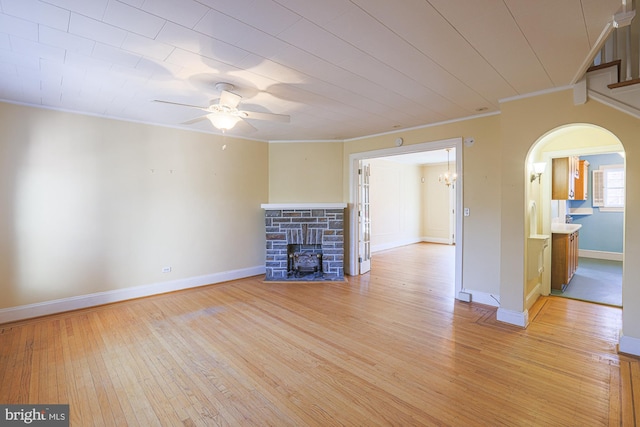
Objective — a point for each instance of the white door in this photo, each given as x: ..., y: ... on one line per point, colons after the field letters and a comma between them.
x: 364, y: 218
x: 452, y: 213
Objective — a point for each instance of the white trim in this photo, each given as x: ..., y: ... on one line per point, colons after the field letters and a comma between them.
x: 534, y: 94
x: 230, y: 135
x: 617, y: 105
x: 605, y: 209
x: 409, y: 241
x: 395, y: 244
x: 595, y: 47
x: 611, y: 256
x: 13, y: 314
x: 305, y: 141
x: 580, y: 211
x: 533, y: 296
x: 127, y: 120
x: 629, y: 345
x: 517, y: 318
x: 413, y: 148
x: 269, y: 206
x: 580, y: 92
x: 582, y: 151
x: 439, y: 240
x: 445, y: 122
x: 351, y: 265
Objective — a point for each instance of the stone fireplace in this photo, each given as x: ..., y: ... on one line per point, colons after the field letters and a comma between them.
x: 305, y: 242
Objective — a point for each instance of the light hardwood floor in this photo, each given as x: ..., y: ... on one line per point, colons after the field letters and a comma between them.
x: 388, y: 348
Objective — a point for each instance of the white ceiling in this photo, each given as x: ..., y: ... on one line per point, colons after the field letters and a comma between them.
x: 340, y: 68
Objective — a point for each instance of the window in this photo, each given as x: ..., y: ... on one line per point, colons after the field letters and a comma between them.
x: 608, y: 188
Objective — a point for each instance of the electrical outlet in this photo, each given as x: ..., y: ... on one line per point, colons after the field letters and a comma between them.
x: 464, y: 296
x: 467, y: 212
x: 166, y: 269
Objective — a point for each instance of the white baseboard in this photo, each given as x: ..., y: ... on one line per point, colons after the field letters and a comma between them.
x: 395, y: 244
x: 409, y: 241
x: 440, y: 240
x: 518, y: 318
x: 611, y: 256
x: 629, y: 345
x: 533, y: 296
x: 28, y: 311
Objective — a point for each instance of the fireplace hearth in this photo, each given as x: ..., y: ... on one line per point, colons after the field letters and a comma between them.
x: 304, y: 242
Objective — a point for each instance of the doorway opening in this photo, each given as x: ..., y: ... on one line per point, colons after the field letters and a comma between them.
x: 359, y: 249
x: 593, y: 253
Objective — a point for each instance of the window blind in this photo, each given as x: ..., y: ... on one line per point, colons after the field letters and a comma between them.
x: 597, y: 188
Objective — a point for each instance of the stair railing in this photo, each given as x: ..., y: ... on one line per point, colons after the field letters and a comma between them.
x: 623, y: 44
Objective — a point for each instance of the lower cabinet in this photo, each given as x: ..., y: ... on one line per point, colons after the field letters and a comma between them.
x: 564, y: 259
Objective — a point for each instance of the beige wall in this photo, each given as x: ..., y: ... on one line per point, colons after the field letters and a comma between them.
x: 436, y: 220
x: 307, y: 172
x: 92, y: 205
x: 396, y: 204
x: 408, y: 204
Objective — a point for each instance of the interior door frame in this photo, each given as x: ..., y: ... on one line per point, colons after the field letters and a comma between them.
x: 354, y: 161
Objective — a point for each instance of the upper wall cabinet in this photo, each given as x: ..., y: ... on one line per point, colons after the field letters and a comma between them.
x: 581, y: 182
x: 565, y: 171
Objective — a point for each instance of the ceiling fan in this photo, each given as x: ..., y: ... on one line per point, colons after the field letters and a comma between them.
x: 224, y: 114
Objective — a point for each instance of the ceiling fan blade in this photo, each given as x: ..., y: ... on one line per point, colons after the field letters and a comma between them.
x: 196, y: 120
x: 246, y: 126
x: 265, y: 116
x: 229, y: 99
x: 181, y: 105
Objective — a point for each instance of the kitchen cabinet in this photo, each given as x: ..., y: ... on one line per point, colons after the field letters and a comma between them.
x: 581, y: 182
x: 564, y: 259
x: 564, y: 172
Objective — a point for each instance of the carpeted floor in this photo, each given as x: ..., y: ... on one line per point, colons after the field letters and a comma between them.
x: 596, y: 280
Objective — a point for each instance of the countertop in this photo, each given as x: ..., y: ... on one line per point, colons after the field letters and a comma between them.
x: 560, y: 228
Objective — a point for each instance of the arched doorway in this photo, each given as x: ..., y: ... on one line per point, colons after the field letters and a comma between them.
x: 546, y: 211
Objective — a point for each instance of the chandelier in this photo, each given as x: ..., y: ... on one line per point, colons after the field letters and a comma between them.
x: 448, y: 178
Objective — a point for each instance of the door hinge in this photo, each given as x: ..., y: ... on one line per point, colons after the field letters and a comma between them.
x: 360, y: 259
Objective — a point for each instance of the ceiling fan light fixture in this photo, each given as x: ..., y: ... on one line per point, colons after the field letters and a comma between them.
x: 223, y: 121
